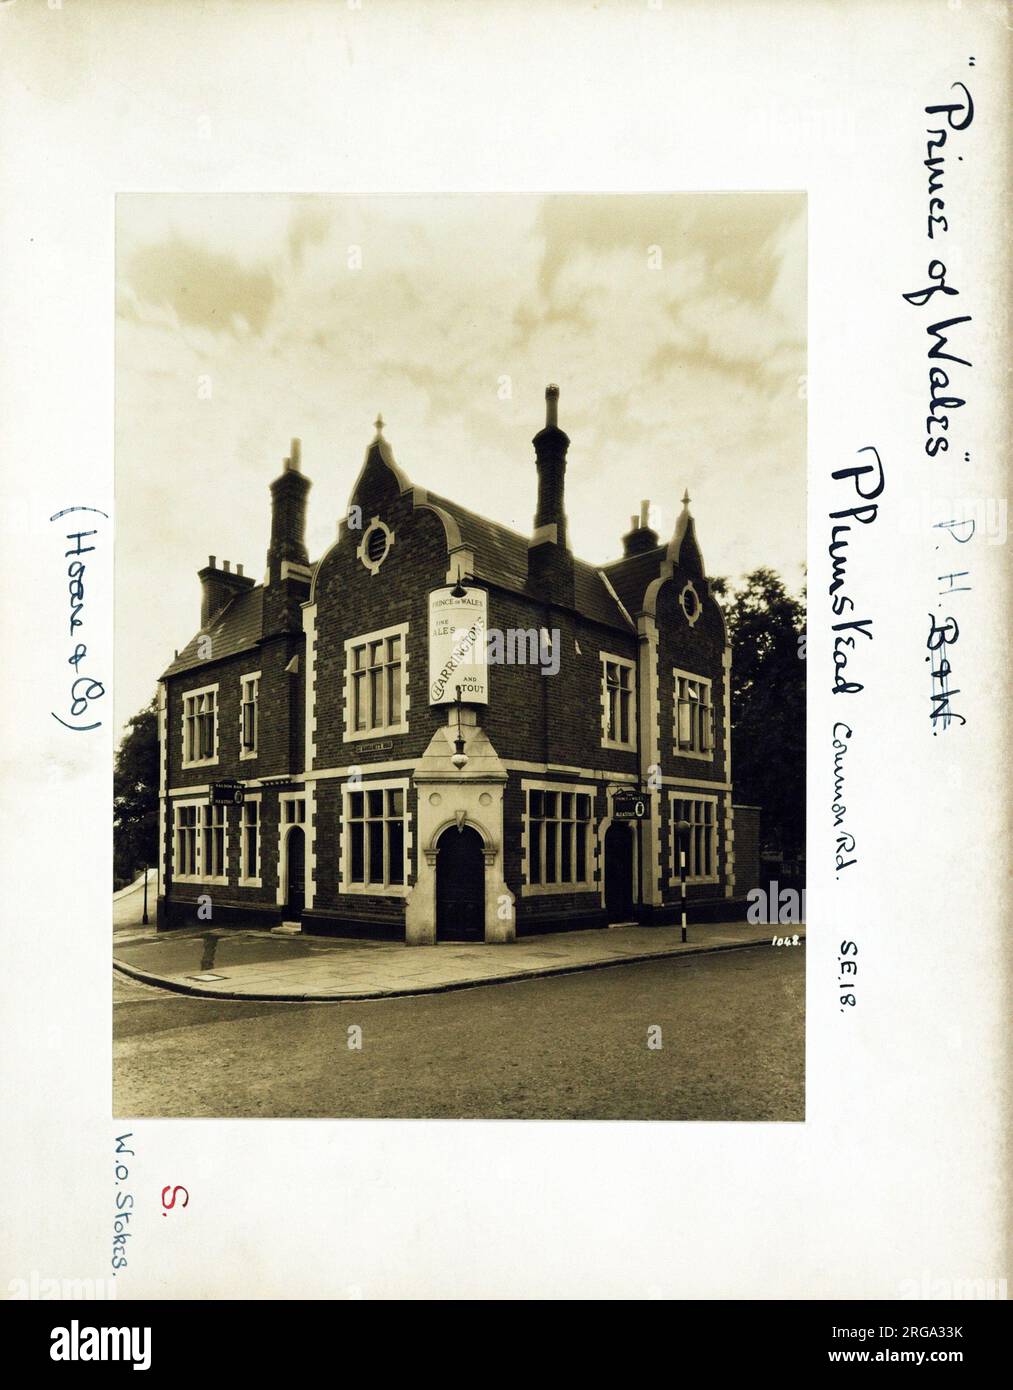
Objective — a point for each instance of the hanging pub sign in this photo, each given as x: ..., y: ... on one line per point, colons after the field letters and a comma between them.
x: 631, y: 806
x: 458, y: 619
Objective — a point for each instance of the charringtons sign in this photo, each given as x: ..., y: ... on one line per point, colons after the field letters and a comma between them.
x: 457, y: 640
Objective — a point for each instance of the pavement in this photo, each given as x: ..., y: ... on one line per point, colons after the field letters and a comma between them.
x: 235, y: 963
x: 128, y: 903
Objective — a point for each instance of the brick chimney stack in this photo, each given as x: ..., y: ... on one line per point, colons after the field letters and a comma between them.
x: 551, y: 445
x: 288, y: 516
x: 218, y: 586
x: 550, y: 564
x: 640, y: 537
x: 288, y: 572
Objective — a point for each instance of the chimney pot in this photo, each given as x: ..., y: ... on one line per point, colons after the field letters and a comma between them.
x: 212, y: 561
x: 239, y: 570
x: 551, y: 406
x: 645, y: 508
x: 296, y: 454
x: 227, y: 566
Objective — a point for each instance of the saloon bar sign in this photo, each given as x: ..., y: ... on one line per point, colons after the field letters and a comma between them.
x: 631, y: 806
x: 458, y: 619
x: 226, y: 793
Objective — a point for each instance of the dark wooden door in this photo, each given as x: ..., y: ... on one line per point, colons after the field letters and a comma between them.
x: 295, y: 898
x: 619, y: 873
x: 460, y: 886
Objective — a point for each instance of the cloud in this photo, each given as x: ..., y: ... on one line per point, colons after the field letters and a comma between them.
x: 201, y: 288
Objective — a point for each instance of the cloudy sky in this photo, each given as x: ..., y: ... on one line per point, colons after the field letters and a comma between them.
x: 674, y: 325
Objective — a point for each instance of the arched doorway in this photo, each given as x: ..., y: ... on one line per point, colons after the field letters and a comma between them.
x: 295, y: 872
x: 619, y: 872
x: 460, y: 885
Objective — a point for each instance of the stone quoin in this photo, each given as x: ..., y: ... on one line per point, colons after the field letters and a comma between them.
x: 377, y: 804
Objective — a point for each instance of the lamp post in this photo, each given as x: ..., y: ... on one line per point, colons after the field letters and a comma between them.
x: 683, y: 828
x: 144, y: 919
x: 460, y: 758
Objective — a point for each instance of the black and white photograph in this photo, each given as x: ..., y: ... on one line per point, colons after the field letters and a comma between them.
x: 507, y: 582
x: 432, y: 708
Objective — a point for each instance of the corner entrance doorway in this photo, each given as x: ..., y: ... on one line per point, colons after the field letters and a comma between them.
x: 460, y: 886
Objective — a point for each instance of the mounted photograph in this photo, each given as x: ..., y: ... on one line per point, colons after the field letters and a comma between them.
x: 452, y: 779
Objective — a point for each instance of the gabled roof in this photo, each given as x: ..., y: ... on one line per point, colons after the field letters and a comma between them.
x: 631, y: 575
x: 238, y: 627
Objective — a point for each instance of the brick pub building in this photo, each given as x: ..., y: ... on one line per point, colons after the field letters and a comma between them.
x: 369, y: 809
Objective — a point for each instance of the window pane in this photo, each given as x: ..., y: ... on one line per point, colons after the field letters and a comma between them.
x: 393, y: 648
x: 535, y: 830
x: 375, y: 850
x: 567, y: 811
x: 358, y: 700
x: 395, y: 803
x: 376, y: 653
x: 393, y: 694
x: 581, y: 834
x: 395, y: 857
x: 566, y: 862
x: 551, y: 858
x: 358, y: 657
x: 356, y: 831
x: 551, y: 799
x: 583, y: 806
x: 355, y: 805
x: 536, y: 804
x: 624, y: 716
x: 375, y: 804
x: 376, y: 697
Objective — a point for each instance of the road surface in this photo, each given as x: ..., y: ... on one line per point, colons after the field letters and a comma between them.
x: 732, y: 1035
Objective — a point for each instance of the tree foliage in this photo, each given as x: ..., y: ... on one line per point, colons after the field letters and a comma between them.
x: 766, y: 628
x: 135, y: 796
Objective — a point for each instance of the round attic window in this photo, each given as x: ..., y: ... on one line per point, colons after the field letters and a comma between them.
x: 376, y: 542
x: 689, y: 601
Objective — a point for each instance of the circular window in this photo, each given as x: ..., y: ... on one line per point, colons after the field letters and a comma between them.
x: 376, y: 541
x: 689, y: 600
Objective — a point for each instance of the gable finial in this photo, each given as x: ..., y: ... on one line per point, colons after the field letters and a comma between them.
x: 378, y: 422
x: 685, y: 498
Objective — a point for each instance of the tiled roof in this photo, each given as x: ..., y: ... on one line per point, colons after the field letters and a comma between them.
x: 501, y: 557
x: 631, y: 575
x: 237, y: 628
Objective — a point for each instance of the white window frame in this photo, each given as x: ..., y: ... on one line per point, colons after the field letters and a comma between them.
x: 206, y: 822
x: 196, y: 695
x: 606, y: 740
x: 246, y: 879
x: 177, y: 806
x: 706, y: 754
x: 585, y: 885
x: 295, y: 800
x: 254, y: 677
x: 351, y: 734
x: 373, y: 890
x: 692, y: 794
